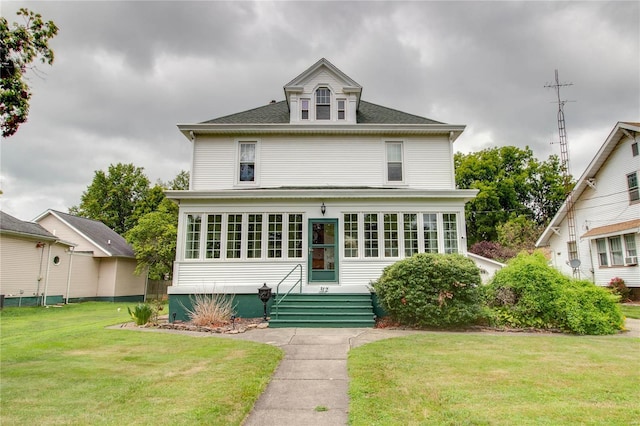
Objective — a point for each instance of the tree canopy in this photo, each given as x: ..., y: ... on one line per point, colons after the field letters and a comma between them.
x: 513, y: 185
x: 20, y: 45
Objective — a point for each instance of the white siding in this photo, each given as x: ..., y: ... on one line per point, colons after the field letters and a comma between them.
x: 316, y: 161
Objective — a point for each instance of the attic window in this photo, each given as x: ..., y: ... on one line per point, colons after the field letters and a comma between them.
x: 304, y: 109
x: 323, y: 104
x: 634, y: 149
x: 341, y: 109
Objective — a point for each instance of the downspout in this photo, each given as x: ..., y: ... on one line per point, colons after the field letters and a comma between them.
x: 46, y: 280
x: 69, y: 273
x: 592, y: 270
x: 41, y: 246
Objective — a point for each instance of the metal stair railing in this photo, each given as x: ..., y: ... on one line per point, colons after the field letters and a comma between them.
x: 280, y: 299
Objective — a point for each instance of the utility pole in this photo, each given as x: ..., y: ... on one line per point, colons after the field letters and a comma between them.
x: 572, y: 243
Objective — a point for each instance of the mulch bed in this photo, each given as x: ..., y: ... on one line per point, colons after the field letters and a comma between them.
x: 239, y: 325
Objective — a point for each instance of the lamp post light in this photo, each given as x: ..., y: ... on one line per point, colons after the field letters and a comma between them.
x: 264, y: 293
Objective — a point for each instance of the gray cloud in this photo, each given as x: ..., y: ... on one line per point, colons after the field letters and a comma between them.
x: 127, y: 72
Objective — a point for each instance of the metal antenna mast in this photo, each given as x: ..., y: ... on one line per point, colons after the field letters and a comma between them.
x: 574, y: 255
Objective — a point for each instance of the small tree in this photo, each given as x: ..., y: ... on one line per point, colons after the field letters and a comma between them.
x: 431, y: 290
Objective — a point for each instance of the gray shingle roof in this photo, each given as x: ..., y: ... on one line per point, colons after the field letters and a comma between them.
x: 105, y: 237
x: 11, y: 224
x: 278, y: 113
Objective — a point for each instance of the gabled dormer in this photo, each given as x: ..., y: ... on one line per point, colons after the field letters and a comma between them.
x: 323, y: 95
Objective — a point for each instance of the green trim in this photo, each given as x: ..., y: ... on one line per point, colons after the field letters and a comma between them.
x: 246, y: 306
x: 378, y: 309
x: 116, y: 299
x: 13, y: 302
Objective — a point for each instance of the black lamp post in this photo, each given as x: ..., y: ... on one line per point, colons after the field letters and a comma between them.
x: 264, y: 293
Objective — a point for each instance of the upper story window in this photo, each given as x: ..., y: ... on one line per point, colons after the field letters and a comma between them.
x: 323, y: 104
x: 634, y: 149
x: 341, y: 109
x: 632, y: 184
x: 304, y: 109
x: 247, y: 166
x: 394, y: 161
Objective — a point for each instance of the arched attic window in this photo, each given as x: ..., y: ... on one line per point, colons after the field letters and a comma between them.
x: 323, y: 103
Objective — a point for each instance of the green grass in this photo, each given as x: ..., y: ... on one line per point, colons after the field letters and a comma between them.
x: 630, y: 311
x: 470, y: 379
x: 61, y: 366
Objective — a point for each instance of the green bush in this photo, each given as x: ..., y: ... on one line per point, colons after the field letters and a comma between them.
x: 141, y: 314
x: 529, y: 293
x: 431, y: 290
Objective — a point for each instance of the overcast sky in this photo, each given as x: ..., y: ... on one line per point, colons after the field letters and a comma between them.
x: 125, y: 73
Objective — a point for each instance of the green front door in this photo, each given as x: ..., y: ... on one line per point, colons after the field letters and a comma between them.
x: 323, y: 254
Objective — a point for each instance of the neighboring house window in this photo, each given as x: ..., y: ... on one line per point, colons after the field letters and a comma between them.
x: 247, y: 161
x: 350, y: 235
x: 371, y: 235
x: 295, y: 235
x: 323, y: 104
x: 234, y: 236
x: 430, y: 231
x: 615, y: 250
x: 394, y: 161
x: 390, y: 235
x: 193, y: 236
x: 634, y: 149
x: 601, y: 247
x: 450, y: 227
x: 631, y: 253
x: 274, y: 249
x: 304, y: 109
x: 214, y: 236
x: 410, y: 222
x: 632, y: 184
x: 341, y: 109
x: 254, y: 236
x: 572, y: 248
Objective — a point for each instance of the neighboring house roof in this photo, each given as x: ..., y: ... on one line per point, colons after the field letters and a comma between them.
x: 615, y: 228
x: 278, y: 113
x: 12, y: 225
x: 96, y: 233
x: 620, y: 130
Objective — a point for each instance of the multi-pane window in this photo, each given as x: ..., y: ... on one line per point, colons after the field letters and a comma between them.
x: 295, y: 235
x: 371, y: 235
x: 430, y: 232
x: 254, y: 236
x: 304, y: 109
x: 194, y: 222
x: 390, y: 235
x: 572, y: 249
x: 323, y: 104
x: 410, y: 224
x: 615, y: 251
x: 214, y: 236
x: 450, y: 230
x: 631, y: 253
x: 341, y: 109
x: 350, y: 235
x: 247, y: 161
x: 394, y: 161
x: 274, y: 249
x: 632, y: 184
x: 601, y: 247
x: 234, y: 236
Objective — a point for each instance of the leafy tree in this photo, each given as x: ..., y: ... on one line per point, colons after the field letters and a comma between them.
x: 519, y: 233
x: 180, y: 182
x: 20, y: 45
x: 154, y: 240
x: 113, y: 197
x: 511, y: 181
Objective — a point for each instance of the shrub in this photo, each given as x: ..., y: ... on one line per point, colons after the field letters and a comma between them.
x: 141, y: 314
x: 208, y: 309
x: 431, y: 290
x: 618, y: 287
x: 493, y: 250
x: 529, y: 293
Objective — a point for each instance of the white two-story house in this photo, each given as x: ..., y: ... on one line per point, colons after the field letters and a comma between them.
x: 606, y: 207
x: 322, y: 185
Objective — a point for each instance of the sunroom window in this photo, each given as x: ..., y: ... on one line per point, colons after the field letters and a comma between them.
x: 323, y: 104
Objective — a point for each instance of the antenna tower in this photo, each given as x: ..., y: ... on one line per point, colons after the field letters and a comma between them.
x: 572, y: 243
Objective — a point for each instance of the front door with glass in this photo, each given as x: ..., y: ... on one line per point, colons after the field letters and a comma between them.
x: 323, y: 243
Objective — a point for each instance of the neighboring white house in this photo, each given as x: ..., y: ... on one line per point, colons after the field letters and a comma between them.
x: 324, y: 180
x: 606, y: 202
x: 61, y: 257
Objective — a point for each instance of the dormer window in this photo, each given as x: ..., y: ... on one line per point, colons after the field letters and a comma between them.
x: 304, y: 109
x: 341, y: 109
x: 323, y: 104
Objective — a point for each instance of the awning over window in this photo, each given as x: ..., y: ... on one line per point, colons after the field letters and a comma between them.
x: 616, y: 228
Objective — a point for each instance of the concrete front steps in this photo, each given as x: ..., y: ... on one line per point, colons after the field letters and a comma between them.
x: 323, y: 310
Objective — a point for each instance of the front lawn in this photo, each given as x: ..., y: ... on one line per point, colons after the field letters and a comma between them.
x: 470, y: 379
x: 630, y: 310
x: 61, y: 366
